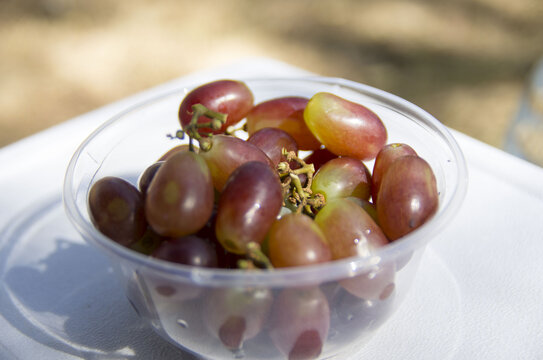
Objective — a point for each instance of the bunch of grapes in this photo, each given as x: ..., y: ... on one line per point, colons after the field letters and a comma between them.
x: 254, y: 202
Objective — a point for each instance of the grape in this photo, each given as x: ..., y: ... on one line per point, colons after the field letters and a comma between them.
x: 344, y: 127
x: 249, y: 204
x: 295, y: 240
x: 227, y: 153
x: 272, y: 141
x: 286, y: 113
x: 368, y: 206
x: 319, y: 157
x: 225, y: 259
x: 148, y: 175
x: 180, y: 197
x: 147, y: 243
x: 376, y: 284
x: 182, y: 147
x: 188, y: 250
x: 234, y: 315
x: 351, y: 231
x: 300, y: 321
x: 343, y: 177
x: 117, y: 210
x: 229, y: 97
x: 408, y: 196
x: 385, y: 157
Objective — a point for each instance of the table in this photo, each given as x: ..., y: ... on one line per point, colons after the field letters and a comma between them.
x: 482, y: 279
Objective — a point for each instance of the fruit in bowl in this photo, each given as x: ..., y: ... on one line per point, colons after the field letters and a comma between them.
x: 246, y: 231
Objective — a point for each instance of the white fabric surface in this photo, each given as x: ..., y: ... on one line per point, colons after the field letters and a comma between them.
x: 481, y: 281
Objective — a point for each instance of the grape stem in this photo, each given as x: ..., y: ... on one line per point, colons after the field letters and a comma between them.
x: 256, y: 259
x: 217, y: 120
x: 300, y: 198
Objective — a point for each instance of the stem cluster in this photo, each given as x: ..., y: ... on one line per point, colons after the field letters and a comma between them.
x: 216, y: 121
x: 296, y: 182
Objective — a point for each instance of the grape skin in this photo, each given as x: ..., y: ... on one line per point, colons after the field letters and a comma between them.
x: 408, y: 196
x: 188, y: 250
x: 300, y: 321
x: 344, y: 127
x: 349, y: 229
x: 386, y: 156
x: 272, y: 141
x: 285, y: 113
x: 319, y: 157
x: 148, y: 175
x: 227, y: 153
x: 295, y: 240
x: 343, y: 177
x: 229, y: 97
x: 248, y: 206
x: 234, y: 315
x: 117, y: 210
x: 177, y: 204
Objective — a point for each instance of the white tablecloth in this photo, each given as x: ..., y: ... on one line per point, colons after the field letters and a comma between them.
x: 482, y: 280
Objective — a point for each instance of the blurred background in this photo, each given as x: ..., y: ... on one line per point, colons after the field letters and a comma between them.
x: 467, y: 62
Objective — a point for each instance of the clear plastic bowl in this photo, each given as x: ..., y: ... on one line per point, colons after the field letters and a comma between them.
x: 209, y: 312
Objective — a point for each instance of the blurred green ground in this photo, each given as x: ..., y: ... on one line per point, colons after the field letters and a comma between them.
x: 464, y: 61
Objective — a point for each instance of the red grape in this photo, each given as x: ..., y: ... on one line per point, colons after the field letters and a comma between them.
x: 300, y: 321
x: 350, y: 230
x: 286, y: 113
x: 319, y: 157
x: 188, y: 250
x: 344, y: 127
x: 229, y: 97
x: 234, y: 315
x: 295, y: 240
x: 225, y: 259
x: 180, y: 197
x: 117, y: 210
x: 148, y: 242
x: 368, y: 206
x: 377, y: 284
x: 384, y: 159
x: 248, y: 206
x: 227, y: 153
x: 408, y: 196
x: 182, y: 147
x: 272, y: 141
x: 148, y: 175
x: 343, y: 177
